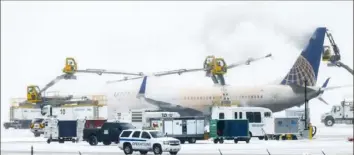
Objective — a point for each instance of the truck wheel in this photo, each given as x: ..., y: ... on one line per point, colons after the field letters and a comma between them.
x: 107, y: 142
x: 37, y: 134
x: 192, y: 140
x: 143, y: 152
x: 157, y: 149
x: 183, y: 141
x: 216, y: 141
x: 93, y: 140
x: 235, y: 141
x: 221, y: 141
x: 329, y: 121
x: 48, y: 141
x: 265, y: 138
x: 261, y: 138
x: 173, y: 153
x: 6, y: 127
x: 248, y: 140
x: 127, y: 149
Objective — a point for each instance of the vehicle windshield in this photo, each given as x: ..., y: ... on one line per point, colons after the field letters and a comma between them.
x: 333, y: 109
x: 126, y: 126
x: 37, y: 120
x: 156, y: 134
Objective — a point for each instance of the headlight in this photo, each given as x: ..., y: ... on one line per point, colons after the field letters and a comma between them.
x: 166, y: 143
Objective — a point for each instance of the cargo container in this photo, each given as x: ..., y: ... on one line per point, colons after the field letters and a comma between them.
x: 63, y: 130
x: 229, y: 129
x: 185, y: 129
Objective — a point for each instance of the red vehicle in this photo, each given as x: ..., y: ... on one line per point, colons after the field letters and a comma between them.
x: 94, y: 123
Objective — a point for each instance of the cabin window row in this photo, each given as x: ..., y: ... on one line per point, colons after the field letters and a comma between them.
x: 209, y: 98
x: 253, y: 117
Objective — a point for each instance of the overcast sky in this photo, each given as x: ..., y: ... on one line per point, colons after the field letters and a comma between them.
x: 36, y: 37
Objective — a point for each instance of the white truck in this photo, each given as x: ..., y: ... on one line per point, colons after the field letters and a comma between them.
x: 73, y: 111
x: 141, y: 118
x: 340, y: 114
x: 261, y: 120
x: 69, y: 112
x: 184, y: 129
x: 147, y: 140
x: 22, y: 116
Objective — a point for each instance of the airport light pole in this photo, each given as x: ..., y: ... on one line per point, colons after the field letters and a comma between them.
x: 306, y: 104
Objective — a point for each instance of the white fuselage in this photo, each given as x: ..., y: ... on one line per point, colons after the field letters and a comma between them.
x: 274, y: 97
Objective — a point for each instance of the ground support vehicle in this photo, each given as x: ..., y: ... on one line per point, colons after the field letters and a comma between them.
x: 107, y: 134
x: 147, y: 140
x: 261, y: 120
x: 184, y: 129
x: 229, y: 129
x: 63, y: 130
x: 340, y: 114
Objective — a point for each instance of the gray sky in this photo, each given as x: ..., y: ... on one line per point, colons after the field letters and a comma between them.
x: 156, y: 36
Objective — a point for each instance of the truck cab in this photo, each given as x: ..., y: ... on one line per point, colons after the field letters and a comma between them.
x: 340, y: 114
x: 37, y: 126
x: 12, y: 124
x: 108, y: 133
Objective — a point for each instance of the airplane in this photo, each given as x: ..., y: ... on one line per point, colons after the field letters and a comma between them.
x: 288, y: 93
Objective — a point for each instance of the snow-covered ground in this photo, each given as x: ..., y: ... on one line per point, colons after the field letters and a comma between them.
x: 330, y: 140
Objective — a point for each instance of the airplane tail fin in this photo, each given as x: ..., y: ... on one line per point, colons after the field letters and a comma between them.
x: 308, y: 63
x: 141, y: 93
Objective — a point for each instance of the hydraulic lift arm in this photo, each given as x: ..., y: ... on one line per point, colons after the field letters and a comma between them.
x: 340, y: 64
x: 334, y: 59
x: 214, y: 68
x: 34, y: 94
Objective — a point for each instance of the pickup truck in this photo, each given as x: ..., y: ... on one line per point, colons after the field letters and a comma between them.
x: 108, y: 133
x: 18, y: 124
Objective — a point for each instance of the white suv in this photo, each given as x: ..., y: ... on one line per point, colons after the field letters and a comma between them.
x: 147, y: 140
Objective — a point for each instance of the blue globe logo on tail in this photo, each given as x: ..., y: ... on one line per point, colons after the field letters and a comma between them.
x: 300, y: 71
x: 307, y: 65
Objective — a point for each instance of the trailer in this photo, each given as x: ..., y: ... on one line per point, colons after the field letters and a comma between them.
x: 141, y: 118
x: 74, y: 111
x: 21, y: 116
x: 185, y: 129
x: 63, y: 130
x: 286, y: 128
x: 94, y: 113
x: 229, y: 129
x: 261, y: 120
x: 295, y: 112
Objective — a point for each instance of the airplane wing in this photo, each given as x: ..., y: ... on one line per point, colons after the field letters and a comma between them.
x: 180, y: 71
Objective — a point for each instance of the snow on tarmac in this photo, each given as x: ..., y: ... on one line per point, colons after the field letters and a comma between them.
x: 330, y: 140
